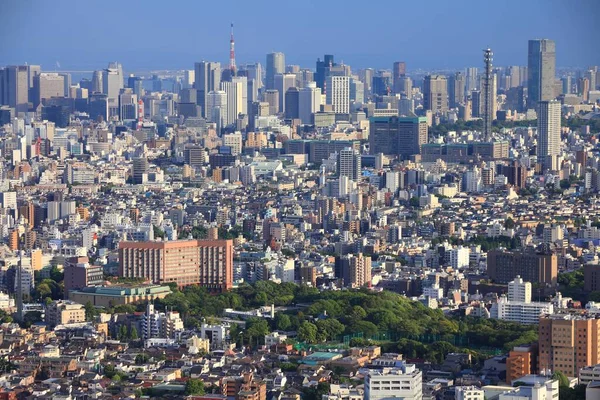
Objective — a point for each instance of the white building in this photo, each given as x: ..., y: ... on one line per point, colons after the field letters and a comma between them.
x: 519, y: 291
x: 160, y: 325
x: 216, y: 107
x: 459, y: 257
x: 285, y: 270
x: 548, y: 129
x: 338, y: 94
x: 589, y: 374
x: 214, y: 333
x: 468, y: 393
x: 404, y: 382
x: 309, y: 102
x: 274, y: 338
x: 535, y: 387
x: 282, y: 83
x: 517, y: 311
x: 234, y: 92
x: 235, y: 141
x: 434, y: 292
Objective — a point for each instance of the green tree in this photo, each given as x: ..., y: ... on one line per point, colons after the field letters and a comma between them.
x: 282, y: 321
x: 90, y: 311
x: 509, y: 223
x: 563, y: 381
x: 134, y: 333
x: 194, y: 387
x: 308, y: 332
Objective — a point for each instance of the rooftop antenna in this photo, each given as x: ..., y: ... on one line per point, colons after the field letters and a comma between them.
x: 232, y: 53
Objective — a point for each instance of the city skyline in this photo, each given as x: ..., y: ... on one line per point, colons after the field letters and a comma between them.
x: 456, y: 41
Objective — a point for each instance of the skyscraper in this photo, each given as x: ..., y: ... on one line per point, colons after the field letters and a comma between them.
x: 216, y: 108
x: 47, y: 85
x: 282, y: 83
x: 541, y: 76
x: 488, y: 94
x: 14, y: 87
x: 292, y: 103
x: 338, y: 93
x: 456, y: 89
x: 471, y: 82
x: 271, y: 96
x: 254, y: 71
x: 435, y: 93
x: 322, y: 68
x: 208, y: 79
x: 398, y: 71
x: 275, y: 65
x: 236, y: 103
x: 548, y: 128
x: 349, y: 163
x: 111, y: 85
x: 309, y: 102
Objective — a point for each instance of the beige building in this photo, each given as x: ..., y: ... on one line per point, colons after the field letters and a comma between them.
x: 435, y: 93
x: 568, y: 342
x: 62, y: 312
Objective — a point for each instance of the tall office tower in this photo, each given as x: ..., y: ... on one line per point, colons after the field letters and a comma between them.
x: 514, y: 77
x: 232, y: 67
x: 136, y: 84
x: 98, y: 106
x: 254, y: 71
x: 488, y: 94
x: 309, y: 102
x: 456, y: 89
x: 566, y: 84
x: 128, y: 105
x: 382, y: 83
x: 208, y: 79
x: 282, y: 83
x: 406, y: 107
x: 119, y: 68
x: 322, y: 69
x: 275, y: 65
x: 216, y: 108
x: 292, y: 103
x: 14, y: 88
x: 189, y: 77
x: 398, y: 72
x: 357, y: 91
x: 567, y: 342
x: 110, y: 84
x: 476, y: 103
x: 548, y: 128
x: 401, y: 136
x: 97, y: 82
x: 471, y: 82
x: 236, y: 91
x: 592, y: 76
x: 208, y: 263
x: 139, y: 167
x: 47, y: 85
x: 583, y: 88
x: 435, y: 93
x: 541, y: 68
x: 367, y: 78
x: 66, y: 82
x: 338, y: 93
x: 349, y: 163
x: 403, y: 85
x: 271, y: 96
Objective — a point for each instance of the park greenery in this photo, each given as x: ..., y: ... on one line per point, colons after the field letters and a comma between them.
x: 361, y: 316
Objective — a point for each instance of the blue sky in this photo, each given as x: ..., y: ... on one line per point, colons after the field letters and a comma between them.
x: 151, y: 34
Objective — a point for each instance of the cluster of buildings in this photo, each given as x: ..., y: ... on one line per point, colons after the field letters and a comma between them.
x: 130, y: 186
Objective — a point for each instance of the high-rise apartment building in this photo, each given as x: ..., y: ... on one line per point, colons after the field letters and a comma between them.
x: 349, y: 163
x: 519, y: 290
x: 275, y: 65
x: 401, y: 136
x: 435, y: 93
x: 541, y: 69
x: 548, y: 142
x: 471, y: 80
x: 208, y: 263
x: 568, y: 342
x: 208, y: 79
x: 338, y: 93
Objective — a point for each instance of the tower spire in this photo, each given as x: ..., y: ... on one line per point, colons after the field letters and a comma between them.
x: 232, y: 53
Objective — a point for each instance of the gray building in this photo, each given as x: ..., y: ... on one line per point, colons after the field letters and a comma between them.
x: 548, y: 142
x: 456, y: 89
x: 541, y: 71
x: 401, y: 136
x: 275, y: 65
x: 208, y: 79
x: 435, y: 93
